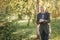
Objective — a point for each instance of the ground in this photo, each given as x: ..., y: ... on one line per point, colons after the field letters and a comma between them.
x: 25, y: 32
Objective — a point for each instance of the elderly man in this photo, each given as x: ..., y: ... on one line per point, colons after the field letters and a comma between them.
x: 43, y: 24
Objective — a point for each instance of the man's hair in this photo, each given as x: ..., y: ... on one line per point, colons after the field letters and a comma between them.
x: 43, y: 7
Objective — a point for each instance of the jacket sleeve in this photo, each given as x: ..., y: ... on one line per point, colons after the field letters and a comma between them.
x: 48, y: 18
x: 37, y: 19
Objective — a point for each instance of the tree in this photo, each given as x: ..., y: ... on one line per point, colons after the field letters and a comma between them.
x: 37, y: 11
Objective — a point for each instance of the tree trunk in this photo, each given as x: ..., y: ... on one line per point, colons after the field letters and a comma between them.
x: 37, y: 11
x: 28, y: 22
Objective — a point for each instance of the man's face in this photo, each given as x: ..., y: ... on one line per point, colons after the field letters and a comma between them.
x: 42, y: 9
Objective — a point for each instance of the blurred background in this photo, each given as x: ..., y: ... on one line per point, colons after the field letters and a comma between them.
x: 18, y: 18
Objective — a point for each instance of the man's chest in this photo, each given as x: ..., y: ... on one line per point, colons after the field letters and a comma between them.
x: 42, y: 16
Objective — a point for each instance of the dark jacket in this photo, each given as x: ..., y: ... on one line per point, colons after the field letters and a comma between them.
x: 44, y: 26
x: 46, y: 17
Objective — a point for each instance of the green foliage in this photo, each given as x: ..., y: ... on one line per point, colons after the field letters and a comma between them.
x: 25, y: 0
x: 6, y: 30
x: 22, y: 8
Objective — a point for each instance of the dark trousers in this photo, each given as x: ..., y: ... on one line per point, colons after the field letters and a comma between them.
x: 44, y: 31
x: 44, y: 36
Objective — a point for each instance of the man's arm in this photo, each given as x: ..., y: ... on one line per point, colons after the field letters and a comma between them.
x: 37, y: 19
x: 48, y: 21
x: 48, y: 18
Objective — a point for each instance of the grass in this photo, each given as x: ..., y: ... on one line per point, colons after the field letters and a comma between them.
x: 25, y: 32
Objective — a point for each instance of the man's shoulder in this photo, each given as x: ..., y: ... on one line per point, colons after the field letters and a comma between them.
x: 38, y: 13
x: 47, y: 13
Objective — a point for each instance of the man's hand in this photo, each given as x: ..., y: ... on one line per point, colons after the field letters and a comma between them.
x: 41, y: 20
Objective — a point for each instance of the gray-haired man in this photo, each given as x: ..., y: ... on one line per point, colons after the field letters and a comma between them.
x: 43, y: 23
